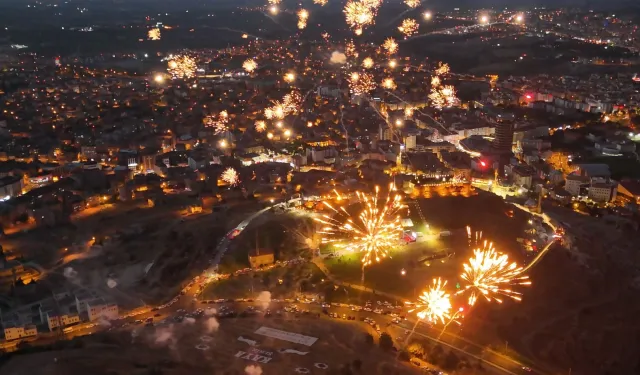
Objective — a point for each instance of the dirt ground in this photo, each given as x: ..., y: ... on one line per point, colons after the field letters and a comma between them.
x: 191, y: 348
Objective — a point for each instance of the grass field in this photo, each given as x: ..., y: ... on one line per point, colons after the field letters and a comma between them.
x: 486, y: 213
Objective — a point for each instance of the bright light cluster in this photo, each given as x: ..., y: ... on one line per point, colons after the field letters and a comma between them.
x: 230, y: 176
x: 361, y: 13
x: 390, y: 46
x: 389, y: 83
x: 250, y: 65
x: 320, y: 2
x: 408, y: 27
x: 489, y: 274
x: 218, y: 123
x: 181, y: 66
x: 303, y: 16
x: 367, y: 63
x: 372, y: 231
x: 412, y: 3
x: 442, y: 96
x: 361, y: 83
x: 154, y: 34
x: 434, y: 304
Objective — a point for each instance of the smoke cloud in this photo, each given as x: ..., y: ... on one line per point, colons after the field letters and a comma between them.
x: 111, y: 283
x: 264, y: 298
x: 253, y: 370
x: 164, y: 335
x: 70, y: 273
x: 338, y: 58
x: 211, y: 325
x: 188, y: 321
x: 210, y: 311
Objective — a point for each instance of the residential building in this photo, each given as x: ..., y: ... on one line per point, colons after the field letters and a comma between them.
x: 603, y: 191
x: 14, y: 332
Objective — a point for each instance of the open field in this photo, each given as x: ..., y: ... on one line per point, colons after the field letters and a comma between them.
x: 437, y: 256
x: 200, y: 347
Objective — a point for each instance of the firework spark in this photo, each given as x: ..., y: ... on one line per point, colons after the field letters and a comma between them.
x: 412, y: 3
x: 182, y: 66
x: 389, y: 84
x: 290, y: 77
x: 367, y: 63
x: 290, y: 104
x: 303, y: 16
x: 261, y: 126
x: 390, y: 46
x: 408, y: 112
x: 489, y: 274
x: 434, y: 305
x: 408, y: 27
x: 320, y: 2
x: 218, y: 123
x: 361, y: 83
x: 371, y: 232
x: 153, y: 34
x: 250, y: 65
x: 359, y: 14
x: 442, y: 69
x: 230, y: 176
x: 435, y: 81
x: 350, y: 49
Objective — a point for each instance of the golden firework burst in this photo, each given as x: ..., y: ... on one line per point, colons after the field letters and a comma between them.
x: 154, y: 34
x: 434, y: 304
x: 390, y: 46
x: 250, y: 65
x: 372, y: 231
x: 491, y: 275
x: 182, y: 66
x: 408, y: 27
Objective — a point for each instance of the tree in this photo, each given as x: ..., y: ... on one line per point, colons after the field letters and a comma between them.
x: 450, y: 361
x: 385, y: 341
x: 357, y: 364
x: 416, y: 349
x: 368, y: 339
x: 404, y: 356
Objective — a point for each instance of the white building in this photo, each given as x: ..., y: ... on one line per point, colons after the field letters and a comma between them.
x: 603, y: 191
x: 12, y: 332
x: 99, y: 308
x: 63, y: 320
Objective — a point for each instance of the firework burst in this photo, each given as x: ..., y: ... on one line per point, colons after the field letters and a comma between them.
x: 408, y: 112
x: 260, y: 126
x: 412, y: 3
x: 182, y: 66
x: 408, y: 27
x: 434, y: 305
x: 489, y: 274
x: 367, y: 63
x: 361, y: 83
x: 218, y: 123
x: 390, y: 46
x: 303, y: 16
x: 360, y: 14
x: 389, y: 84
x: 350, y: 49
x: 250, y: 65
x: 371, y: 232
x: 442, y: 69
x: 153, y: 34
x: 230, y: 176
x: 320, y: 2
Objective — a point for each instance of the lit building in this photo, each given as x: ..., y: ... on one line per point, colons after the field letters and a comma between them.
x: 13, y: 332
x: 603, y: 191
x: 261, y: 257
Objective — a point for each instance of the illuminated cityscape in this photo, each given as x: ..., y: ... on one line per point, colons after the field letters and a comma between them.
x: 355, y: 186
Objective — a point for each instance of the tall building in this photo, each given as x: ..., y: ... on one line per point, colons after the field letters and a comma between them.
x: 504, y: 138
